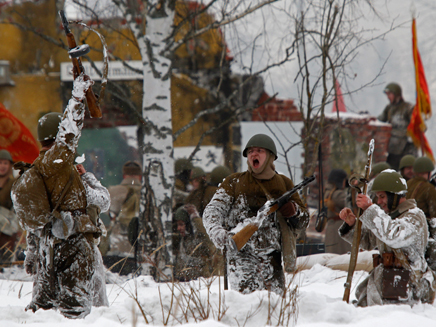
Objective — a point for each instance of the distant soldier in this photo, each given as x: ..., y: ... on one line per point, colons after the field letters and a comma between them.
x: 182, y: 170
x: 124, y: 207
x: 334, y: 200
x: 193, y: 248
x: 398, y: 114
x: 202, y: 192
x: 398, y: 229
x: 406, y: 166
x: 52, y: 203
x: 218, y: 174
x: 424, y: 194
x: 9, y: 229
x: 420, y: 189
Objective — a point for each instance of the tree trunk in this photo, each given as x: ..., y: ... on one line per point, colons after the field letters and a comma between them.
x: 157, y: 150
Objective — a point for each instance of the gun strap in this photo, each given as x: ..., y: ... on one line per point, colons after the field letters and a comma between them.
x: 289, y: 251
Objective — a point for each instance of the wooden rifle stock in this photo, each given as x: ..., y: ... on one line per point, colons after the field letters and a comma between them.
x: 242, y: 237
x: 357, y: 229
x: 91, y: 99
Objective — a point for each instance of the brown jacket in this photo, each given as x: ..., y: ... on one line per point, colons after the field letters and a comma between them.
x: 5, y: 194
x: 201, y: 196
x: 424, y: 193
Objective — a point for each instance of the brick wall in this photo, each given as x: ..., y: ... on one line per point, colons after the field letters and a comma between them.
x: 276, y: 110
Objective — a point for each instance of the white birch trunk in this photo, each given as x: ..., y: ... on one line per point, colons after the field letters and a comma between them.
x: 158, y: 158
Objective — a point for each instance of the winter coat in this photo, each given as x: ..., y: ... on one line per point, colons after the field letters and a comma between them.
x: 424, y: 193
x: 406, y: 232
x: 335, y: 202
x: 398, y: 115
x: 66, y: 257
x: 122, y: 211
x: 257, y: 265
x: 201, y: 196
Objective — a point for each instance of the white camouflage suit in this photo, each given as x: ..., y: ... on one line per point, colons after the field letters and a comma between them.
x: 408, y: 233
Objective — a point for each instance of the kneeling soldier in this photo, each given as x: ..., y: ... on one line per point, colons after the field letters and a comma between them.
x: 399, y: 230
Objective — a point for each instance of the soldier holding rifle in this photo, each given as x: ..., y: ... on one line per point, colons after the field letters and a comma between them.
x: 258, y: 263
x: 398, y: 229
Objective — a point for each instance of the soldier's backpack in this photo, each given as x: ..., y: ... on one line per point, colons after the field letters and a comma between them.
x: 30, y: 199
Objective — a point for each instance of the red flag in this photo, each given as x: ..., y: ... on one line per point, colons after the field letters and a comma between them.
x: 338, y: 103
x: 416, y: 128
x: 16, y: 138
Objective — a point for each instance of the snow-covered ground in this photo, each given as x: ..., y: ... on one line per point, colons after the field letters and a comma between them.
x: 319, y: 303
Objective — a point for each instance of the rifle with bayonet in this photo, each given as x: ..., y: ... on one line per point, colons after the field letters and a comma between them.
x: 358, y: 227
x: 75, y: 53
x: 241, y: 238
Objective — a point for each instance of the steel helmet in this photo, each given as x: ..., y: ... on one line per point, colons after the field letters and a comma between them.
x: 5, y: 155
x: 197, y: 172
x: 218, y: 174
x: 407, y: 161
x: 182, y: 164
x: 389, y: 181
x: 394, y: 88
x: 379, y: 167
x: 423, y: 165
x: 261, y: 141
x: 48, y: 126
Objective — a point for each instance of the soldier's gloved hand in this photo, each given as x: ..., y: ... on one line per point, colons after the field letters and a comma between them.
x: 191, y: 210
x: 288, y: 210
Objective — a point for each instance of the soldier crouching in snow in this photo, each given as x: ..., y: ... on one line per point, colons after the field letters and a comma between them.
x: 398, y: 229
x: 258, y: 265
x: 52, y: 203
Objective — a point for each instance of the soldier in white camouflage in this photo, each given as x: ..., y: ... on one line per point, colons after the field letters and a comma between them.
x: 398, y: 229
x: 258, y: 265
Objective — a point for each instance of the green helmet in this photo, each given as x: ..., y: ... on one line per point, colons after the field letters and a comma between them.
x: 261, y: 141
x: 181, y: 214
x: 197, y: 172
x: 389, y: 181
x: 5, y: 155
x: 423, y: 165
x: 48, y: 126
x: 407, y: 161
x: 218, y: 174
x: 379, y: 167
x: 182, y: 164
x: 394, y: 88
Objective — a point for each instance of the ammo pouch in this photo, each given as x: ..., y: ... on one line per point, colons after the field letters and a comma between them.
x: 395, y: 279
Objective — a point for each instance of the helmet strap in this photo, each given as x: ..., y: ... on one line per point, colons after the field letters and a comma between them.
x: 393, y: 200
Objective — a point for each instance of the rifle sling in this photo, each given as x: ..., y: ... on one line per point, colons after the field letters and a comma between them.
x: 288, y: 249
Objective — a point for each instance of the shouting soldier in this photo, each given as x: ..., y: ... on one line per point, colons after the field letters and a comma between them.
x: 258, y: 265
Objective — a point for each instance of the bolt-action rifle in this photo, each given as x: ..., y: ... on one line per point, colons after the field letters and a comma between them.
x: 75, y: 53
x: 242, y: 237
x: 358, y: 227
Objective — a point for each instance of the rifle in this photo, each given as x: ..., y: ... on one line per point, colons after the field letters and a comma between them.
x: 241, y: 238
x: 358, y: 228
x: 75, y: 53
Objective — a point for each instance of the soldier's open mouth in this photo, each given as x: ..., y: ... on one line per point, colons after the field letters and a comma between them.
x: 255, y: 163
